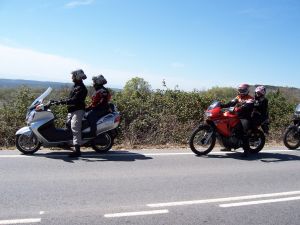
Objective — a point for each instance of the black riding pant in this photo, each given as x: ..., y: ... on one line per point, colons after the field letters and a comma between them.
x: 93, y: 116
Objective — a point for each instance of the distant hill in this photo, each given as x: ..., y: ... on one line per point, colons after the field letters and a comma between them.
x: 291, y: 93
x: 10, y: 83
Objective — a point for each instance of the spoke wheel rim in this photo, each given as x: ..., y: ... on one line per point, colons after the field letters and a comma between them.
x: 201, y: 141
x: 292, y: 137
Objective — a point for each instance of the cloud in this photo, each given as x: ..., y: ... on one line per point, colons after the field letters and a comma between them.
x: 28, y: 64
x: 8, y: 41
x: 177, y: 65
x: 78, y: 3
x: 123, y: 53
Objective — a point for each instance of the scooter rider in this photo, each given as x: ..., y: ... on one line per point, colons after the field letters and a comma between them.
x: 99, y: 105
x: 260, y: 114
x: 76, y: 108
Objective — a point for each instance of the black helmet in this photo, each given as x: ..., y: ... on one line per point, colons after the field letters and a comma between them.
x: 79, y: 74
x: 99, y: 80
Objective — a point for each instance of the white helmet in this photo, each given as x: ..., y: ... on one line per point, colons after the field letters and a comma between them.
x: 100, y: 80
x: 79, y: 74
x: 260, y: 91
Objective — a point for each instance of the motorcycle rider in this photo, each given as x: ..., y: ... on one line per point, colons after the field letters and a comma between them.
x: 260, y: 114
x: 243, y: 104
x: 99, y: 105
x: 76, y: 108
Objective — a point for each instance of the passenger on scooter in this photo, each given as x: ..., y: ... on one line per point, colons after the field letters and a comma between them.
x: 260, y: 114
x: 99, y: 105
x: 76, y: 108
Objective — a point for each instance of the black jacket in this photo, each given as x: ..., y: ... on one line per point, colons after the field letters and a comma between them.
x: 261, y: 107
x: 76, y: 100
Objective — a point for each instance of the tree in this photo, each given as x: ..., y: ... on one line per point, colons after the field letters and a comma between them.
x: 137, y: 87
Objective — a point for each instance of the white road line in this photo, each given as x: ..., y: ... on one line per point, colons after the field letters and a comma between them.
x: 42, y: 212
x: 259, y: 202
x: 228, y: 199
x: 140, y: 213
x: 139, y: 153
x: 211, y: 153
x: 21, y: 221
x: 14, y: 156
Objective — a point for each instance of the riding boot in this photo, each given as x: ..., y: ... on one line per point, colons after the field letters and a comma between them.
x: 246, y: 146
x: 77, y: 152
x: 225, y: 149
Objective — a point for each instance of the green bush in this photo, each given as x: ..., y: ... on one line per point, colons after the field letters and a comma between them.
x: 149, y: 117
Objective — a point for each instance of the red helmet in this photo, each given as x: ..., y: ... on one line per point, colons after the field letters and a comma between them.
x: 260, y: 91
x: 243, y: 89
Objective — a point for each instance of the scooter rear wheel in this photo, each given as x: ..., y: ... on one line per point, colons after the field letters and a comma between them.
x: 103, y: 143
x: 27, y: 143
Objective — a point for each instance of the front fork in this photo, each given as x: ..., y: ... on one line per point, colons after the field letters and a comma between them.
x: 207, y: 136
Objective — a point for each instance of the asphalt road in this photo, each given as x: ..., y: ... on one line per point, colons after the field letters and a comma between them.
x: 150, y: 187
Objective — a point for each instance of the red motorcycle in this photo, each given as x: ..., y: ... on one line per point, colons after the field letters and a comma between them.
x: 223, y: 124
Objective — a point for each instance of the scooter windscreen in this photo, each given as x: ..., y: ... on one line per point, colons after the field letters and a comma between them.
x: 40, y: 98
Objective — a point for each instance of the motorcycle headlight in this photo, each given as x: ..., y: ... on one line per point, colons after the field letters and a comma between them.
x: 30, y: 117
x: 207, y: 115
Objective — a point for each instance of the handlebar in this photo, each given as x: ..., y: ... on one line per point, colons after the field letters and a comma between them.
x: 230, y: 109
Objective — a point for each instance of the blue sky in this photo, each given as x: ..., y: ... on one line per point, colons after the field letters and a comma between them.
x: 194, y: 44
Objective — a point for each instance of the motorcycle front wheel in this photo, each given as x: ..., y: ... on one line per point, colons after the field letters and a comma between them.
x: 202, y: 140
x: 256, y: 141
x: 291, y: 137
x: 27, y: 143
x: 103, y: 143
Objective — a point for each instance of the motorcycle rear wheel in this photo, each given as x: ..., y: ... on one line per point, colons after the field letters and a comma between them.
x: 105, y: 145
x: 202, y: 140
x: 291, y: 138
x: 27, y: 143
x: 256, y: 141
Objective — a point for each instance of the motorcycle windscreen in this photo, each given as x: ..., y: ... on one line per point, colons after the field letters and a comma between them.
x: 41, y: 98
x: 297, y: 110
x: 213, y: 105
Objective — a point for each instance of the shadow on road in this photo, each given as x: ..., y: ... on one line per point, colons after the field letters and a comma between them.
x: 121, y: 156
x: 267, y: 157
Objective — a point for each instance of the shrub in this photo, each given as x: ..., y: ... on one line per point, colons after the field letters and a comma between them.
x: 148, y: 116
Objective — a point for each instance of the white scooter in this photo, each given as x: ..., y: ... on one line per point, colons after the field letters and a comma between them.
x: 41, y: 131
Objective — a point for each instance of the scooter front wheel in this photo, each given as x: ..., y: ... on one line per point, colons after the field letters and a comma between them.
x: 103, y: 143
x: 203, y: 140
x: 27, y: 143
